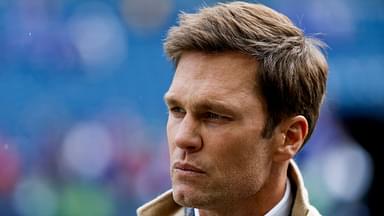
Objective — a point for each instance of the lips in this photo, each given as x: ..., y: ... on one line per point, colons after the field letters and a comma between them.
x: 187, y: 167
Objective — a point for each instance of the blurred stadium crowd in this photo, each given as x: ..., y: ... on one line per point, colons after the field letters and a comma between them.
x: 82, y: 121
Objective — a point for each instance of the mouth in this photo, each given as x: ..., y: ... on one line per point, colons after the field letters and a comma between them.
x: 185, y: 167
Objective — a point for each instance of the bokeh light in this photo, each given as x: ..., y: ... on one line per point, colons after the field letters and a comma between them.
x: 35, y: 196
x: 10, y: 169
x: 86, y: 200
x: 347, y: 170
x: 146, y: 15
x: 87, y: 150
x: 98, y: 37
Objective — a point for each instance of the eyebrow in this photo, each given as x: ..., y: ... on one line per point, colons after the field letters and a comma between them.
x: 169, y: 99
x: 204, y: 104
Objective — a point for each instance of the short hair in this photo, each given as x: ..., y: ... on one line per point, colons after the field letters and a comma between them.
x: 292, y: 70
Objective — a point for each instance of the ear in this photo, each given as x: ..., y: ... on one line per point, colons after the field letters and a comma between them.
x: 291, y: 136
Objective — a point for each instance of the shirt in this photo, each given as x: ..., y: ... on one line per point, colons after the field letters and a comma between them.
x: 282, y: 208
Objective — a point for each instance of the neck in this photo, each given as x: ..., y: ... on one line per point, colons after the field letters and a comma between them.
x: 261, y: 202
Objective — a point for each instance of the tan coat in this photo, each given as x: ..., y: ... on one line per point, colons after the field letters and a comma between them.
x: 165, y: 206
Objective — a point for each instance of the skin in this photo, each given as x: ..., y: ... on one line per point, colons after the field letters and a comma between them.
x: 220, y: 162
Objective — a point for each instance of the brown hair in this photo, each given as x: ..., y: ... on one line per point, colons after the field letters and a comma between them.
x: 292, y: 69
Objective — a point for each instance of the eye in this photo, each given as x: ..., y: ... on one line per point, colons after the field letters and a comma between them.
x: 177, y: 112
x: 210, y: 116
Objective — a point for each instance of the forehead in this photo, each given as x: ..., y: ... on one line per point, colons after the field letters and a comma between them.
x: 217, y: 76
x: 223, y: 65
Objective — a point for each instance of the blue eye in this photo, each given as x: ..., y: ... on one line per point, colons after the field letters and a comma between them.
x: 216, y: 118
x: 177, y: 112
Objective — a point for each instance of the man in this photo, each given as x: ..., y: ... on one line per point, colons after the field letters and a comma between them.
x: 244, y: 99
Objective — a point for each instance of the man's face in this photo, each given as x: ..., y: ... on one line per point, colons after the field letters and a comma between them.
x: 214, y: 128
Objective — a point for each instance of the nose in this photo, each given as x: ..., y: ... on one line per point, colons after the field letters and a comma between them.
x: 187, y: 135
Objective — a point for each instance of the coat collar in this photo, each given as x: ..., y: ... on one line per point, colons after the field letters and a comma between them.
x: 165, y: 206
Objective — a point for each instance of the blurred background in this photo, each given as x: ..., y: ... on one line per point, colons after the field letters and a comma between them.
x: 82, y: 120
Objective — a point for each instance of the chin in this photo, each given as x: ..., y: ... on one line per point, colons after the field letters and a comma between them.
x: 186, y: 196
x: 190, y: 197
x: 181, y: 194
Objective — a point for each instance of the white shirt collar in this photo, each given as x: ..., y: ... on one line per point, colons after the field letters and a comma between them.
x: 282, y: 208
x: 196, y: 212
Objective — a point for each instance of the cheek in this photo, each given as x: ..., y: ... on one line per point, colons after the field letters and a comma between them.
x: 228, y: 149
x: 247, y: 168
x: 169, y: 127
x: 171, y: 130
x: 240, y: 153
